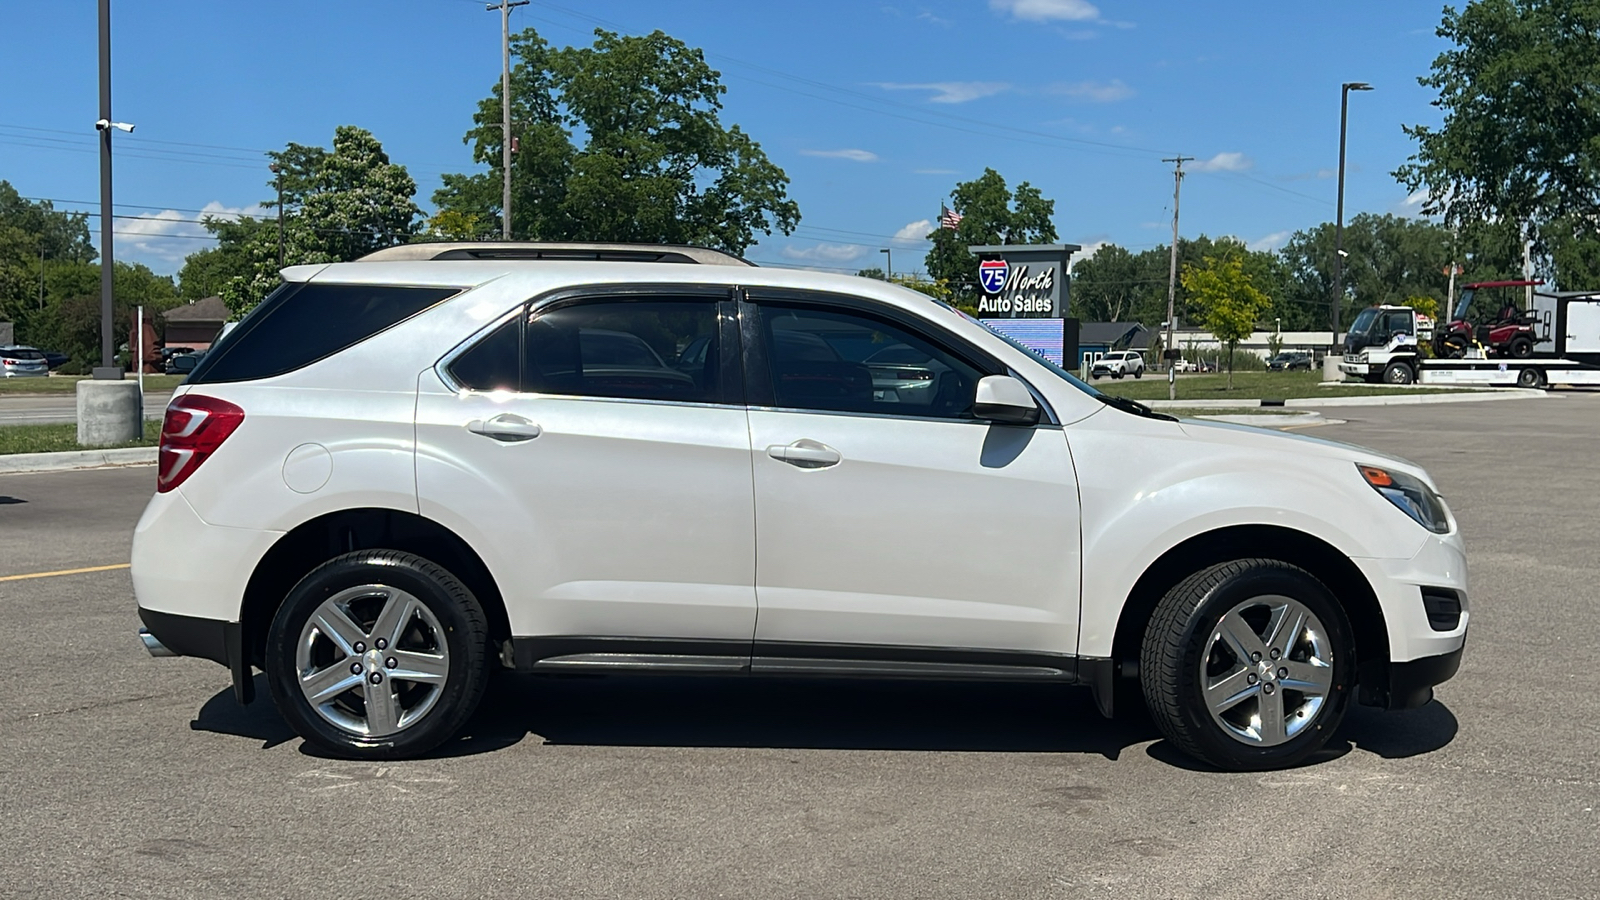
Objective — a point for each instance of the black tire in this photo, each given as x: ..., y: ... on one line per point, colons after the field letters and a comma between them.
x: 1520, y: 347
x: 1455, y: 347
x: 1530, y: 378
x: 1398, y: 373
x: 1138, y: 373
x: 1117, y: 376
x: 1178, y: 642
x: 1094, y: 376
x: 456, y: 635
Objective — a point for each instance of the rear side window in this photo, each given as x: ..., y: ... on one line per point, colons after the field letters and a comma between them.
x: 299, y: 324
x: 635, y: 349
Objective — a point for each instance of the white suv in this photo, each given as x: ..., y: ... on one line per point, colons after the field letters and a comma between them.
x: 1119, y: 363
x: 398, y: 474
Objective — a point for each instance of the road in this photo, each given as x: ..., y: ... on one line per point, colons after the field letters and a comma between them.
x: 50, y: 409
x: 125, y: 775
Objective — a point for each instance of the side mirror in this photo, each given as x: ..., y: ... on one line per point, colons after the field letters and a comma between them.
x: 1005, y: 401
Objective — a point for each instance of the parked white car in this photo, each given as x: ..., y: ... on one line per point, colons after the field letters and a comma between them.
x: 398, y: 474
x: 1119, y: 363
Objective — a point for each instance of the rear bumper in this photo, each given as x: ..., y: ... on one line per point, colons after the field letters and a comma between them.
x: 221, y: 642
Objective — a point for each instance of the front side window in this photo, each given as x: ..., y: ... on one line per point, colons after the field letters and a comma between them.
x: 845, y: 361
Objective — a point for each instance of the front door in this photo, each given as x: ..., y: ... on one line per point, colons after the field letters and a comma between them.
x: 597, y: 454
x: 886, y: 515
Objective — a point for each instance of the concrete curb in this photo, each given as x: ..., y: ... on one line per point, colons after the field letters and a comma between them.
x: 1381, y: 400
x: 14, y: 463
x: 1272, y: 420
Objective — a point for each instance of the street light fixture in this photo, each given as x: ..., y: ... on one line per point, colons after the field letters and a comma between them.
x: 103, y: 124
x: 1338, y: 228
x: 888, y: 265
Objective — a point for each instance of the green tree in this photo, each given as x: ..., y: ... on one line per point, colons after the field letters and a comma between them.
x: 1107, y: 285
x: 339, y: 205
x: 991, y: 213
x: 875, y: 273
x: 1229, y: 301
x: 1521, y: 116
x: 654, y: 163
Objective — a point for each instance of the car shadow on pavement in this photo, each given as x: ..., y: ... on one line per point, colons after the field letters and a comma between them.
x: 821, y: 714
x: 1391, y: 735
x: 799, y: 713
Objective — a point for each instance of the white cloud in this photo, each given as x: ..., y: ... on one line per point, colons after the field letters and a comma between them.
x: 915, y: 231
x: 162, y: 239
x: 1225, y: 162
x: 1048, y: 10
x: 1090, y: 248
x: 849, y: 153
x: 1093, y: 91
x: 1272, y: 241
x: 950, y: 91
x: 824, y: 253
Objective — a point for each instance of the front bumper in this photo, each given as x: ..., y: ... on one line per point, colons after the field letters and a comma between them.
x: 1407, y: 685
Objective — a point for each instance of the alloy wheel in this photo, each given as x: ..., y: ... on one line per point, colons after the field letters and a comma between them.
x: 372, y: 660
x: 1267, y: 671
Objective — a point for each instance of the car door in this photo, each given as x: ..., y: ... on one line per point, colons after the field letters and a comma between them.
x: 596, y: 450
x: 888, y: 519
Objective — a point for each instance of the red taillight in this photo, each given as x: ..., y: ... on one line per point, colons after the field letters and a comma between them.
x: 194, y: 428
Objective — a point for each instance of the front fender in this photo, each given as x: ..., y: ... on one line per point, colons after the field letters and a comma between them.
x: 1147, y: 486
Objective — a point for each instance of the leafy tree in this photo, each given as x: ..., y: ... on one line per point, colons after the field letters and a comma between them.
x: 339, y: 205
x: 991, y: 214
x: 875, y: 273
x: 1521, y: 116
x: 1229, y: 301
x: 1107, y: 285
x: 654, y: 163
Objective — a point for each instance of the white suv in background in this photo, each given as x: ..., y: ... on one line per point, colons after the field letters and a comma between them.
x: 398, y: 474
x: 1119, y: 363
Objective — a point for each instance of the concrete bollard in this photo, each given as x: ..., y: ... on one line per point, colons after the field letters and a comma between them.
x: 1330, y: 368
x: 109, y: 412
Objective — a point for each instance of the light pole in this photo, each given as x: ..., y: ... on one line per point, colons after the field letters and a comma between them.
x: 277, y: 172
x: 888, y: 265
x: 1338, y: 227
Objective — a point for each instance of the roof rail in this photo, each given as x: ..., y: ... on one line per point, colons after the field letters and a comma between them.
x: 502, y: 250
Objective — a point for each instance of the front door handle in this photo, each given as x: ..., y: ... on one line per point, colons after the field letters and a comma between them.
x: 505, y: 427
x: 806, y: 454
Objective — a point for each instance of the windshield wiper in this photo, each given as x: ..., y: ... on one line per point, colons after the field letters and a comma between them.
x: 1133, y: 406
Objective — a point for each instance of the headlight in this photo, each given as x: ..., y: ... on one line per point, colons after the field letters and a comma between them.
x: 1414, y: 498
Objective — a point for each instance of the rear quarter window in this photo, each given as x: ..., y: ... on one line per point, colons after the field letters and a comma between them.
x: 299, y: 324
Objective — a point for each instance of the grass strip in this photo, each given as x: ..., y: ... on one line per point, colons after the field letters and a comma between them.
x: 64, y: 436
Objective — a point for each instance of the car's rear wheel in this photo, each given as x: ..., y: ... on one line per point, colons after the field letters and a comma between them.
x: 1138, y: 373
x: 1248, y: 665
x: 377, y: 655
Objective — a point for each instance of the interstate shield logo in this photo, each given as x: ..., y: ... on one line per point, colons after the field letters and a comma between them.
x: 992, y: 275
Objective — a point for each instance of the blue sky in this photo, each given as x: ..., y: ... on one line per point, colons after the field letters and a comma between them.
x: 875, y: 110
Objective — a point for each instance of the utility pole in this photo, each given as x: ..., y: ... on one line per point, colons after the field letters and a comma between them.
x: 505, y: 110
x: 1172, y: 274
x: 277, y: 172
x: 1337, y: 300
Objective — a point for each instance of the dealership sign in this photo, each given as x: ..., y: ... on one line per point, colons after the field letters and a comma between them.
x: 1023, y: 280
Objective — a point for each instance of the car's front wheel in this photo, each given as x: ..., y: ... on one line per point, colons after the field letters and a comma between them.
x: 377, y: 655
x: 1248, y: 665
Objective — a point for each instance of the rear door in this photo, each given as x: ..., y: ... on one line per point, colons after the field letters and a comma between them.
x: 597, y: 449
x: 888, y: 519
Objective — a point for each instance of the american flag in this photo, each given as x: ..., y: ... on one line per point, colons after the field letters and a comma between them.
x: 949, y: 218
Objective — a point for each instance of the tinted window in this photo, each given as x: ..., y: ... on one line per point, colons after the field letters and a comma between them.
x: 1400, y: 323
x: 638, y: 349
x: 299, y: 324
x: 833, y: 359
x: 492, y: 363
x: 22, y: 354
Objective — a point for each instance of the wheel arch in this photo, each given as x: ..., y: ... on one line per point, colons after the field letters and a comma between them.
x: 1325, y: 562
x: 320, y: 539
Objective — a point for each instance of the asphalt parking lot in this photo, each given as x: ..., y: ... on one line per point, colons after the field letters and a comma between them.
x: 122, y: 775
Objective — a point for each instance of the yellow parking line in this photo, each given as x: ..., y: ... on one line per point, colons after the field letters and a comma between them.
x: 64, y: 572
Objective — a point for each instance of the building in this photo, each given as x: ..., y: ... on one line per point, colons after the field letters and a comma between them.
x: 1096, y: 339
x: 196, y: 325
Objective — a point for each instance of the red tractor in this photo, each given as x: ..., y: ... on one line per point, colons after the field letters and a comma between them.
x: 1504, y: 330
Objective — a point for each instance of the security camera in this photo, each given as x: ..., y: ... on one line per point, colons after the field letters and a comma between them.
x: 103, y: 124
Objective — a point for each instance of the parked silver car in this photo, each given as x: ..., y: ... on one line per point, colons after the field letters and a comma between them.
x: 22, y: 362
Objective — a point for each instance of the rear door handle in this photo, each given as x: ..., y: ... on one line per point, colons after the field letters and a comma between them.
x: 806, y: 454
x: 505, y: 427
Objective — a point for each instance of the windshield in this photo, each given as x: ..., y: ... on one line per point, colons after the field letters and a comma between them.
x: 1364, y: 320
x: 1465, y: 303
